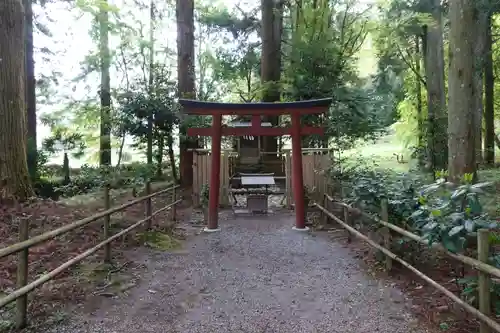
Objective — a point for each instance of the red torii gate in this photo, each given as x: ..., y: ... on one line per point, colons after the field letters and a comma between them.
x: 256, y: 110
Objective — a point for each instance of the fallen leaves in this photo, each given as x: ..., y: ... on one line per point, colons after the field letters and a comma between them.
x: 426, y: 302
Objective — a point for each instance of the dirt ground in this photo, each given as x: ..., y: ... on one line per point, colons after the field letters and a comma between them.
x: 256, y: 275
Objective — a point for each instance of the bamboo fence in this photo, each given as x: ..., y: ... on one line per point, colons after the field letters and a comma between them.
x: 480, y: 264
x: 20, y: 295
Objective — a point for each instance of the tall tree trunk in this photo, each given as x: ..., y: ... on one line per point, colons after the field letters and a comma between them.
x: 489, y: 96
x: 418, y: 88
x: 30, y: 89
x: 461, y: 117
x: 479, y: 50
x: 14, y: 175
x: 150, y: 85
x: 436, y: 99
x: 66, y: 169
x: 170, y: 144
x: 271, y: 32
x: 186, y: 82
x: 105, y: 91
x: 120, y: 150
x: 159, y: 156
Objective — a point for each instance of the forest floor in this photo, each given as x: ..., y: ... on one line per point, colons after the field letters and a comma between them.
x: 74, y: 284
x: 256, y: 275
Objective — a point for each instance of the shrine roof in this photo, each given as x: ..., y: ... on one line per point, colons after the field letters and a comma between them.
x: 313, y: 103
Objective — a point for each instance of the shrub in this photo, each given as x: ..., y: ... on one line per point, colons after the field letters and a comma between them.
x: 449, y: 214
x: 47, y: 188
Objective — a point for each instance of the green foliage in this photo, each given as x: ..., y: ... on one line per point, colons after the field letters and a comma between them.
x: 144, y: 100
x: 47, y: 188
x: 88, y: 179
x: 365, y: 186
x: 63, y: 140
x: 353, y: 117
x: 449, y: 214
x: 158, y: 102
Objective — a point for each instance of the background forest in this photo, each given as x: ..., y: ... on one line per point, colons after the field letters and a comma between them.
x: 413, y: 86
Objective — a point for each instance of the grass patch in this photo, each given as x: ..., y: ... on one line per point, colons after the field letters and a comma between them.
x: 108, y: 280
x: 95, y: 271
x: 159, y: 240
x: 380, y: 154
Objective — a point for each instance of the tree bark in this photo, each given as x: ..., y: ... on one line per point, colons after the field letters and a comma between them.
x: 30, y: 89
x: 271, y: 32
x: 479, y: 53
x: 14, y: 176
x: 186, y: 82
x: 159, y: 156
x: 149, y: 153
x: 66, y: 169
x: 436, y: 99
x: 120, y: 150
x: 105, y: 91
x: 461, y: 117
x: 418, y: 87
x: 489, y: 96
x: 171, y: 156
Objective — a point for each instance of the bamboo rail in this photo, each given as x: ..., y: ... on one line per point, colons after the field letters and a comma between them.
x: 474, y: 263
x: 14, y: 248
x: 480, y: 264
x: 23, y: 288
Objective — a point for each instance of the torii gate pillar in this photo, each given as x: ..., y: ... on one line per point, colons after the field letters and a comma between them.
x: 297, y: 174
x: 213, y: 199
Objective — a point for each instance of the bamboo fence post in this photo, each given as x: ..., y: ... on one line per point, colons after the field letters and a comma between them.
x: 22, y: 276
x: 484, y: 280
x: 386, y: 233
x: 107, y: 220
x: 174, y: 209
x: 148, y: 206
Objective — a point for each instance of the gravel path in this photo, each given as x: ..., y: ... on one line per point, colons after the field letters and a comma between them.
x: 256, y: 275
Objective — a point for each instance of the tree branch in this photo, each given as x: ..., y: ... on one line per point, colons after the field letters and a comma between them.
x: 410, y: 66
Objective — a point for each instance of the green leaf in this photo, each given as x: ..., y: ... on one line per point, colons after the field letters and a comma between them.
x: 455, y: 230
x: 444, y: 326
x: 458, y: 193
x: 456, y: 217
x: 436, y: 212
x: 469, y: 225
x: 450, y: 245
x: 468, y: 177
x: 430, y: 226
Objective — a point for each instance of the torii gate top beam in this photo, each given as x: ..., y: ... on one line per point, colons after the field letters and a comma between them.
x: 314, y: 106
